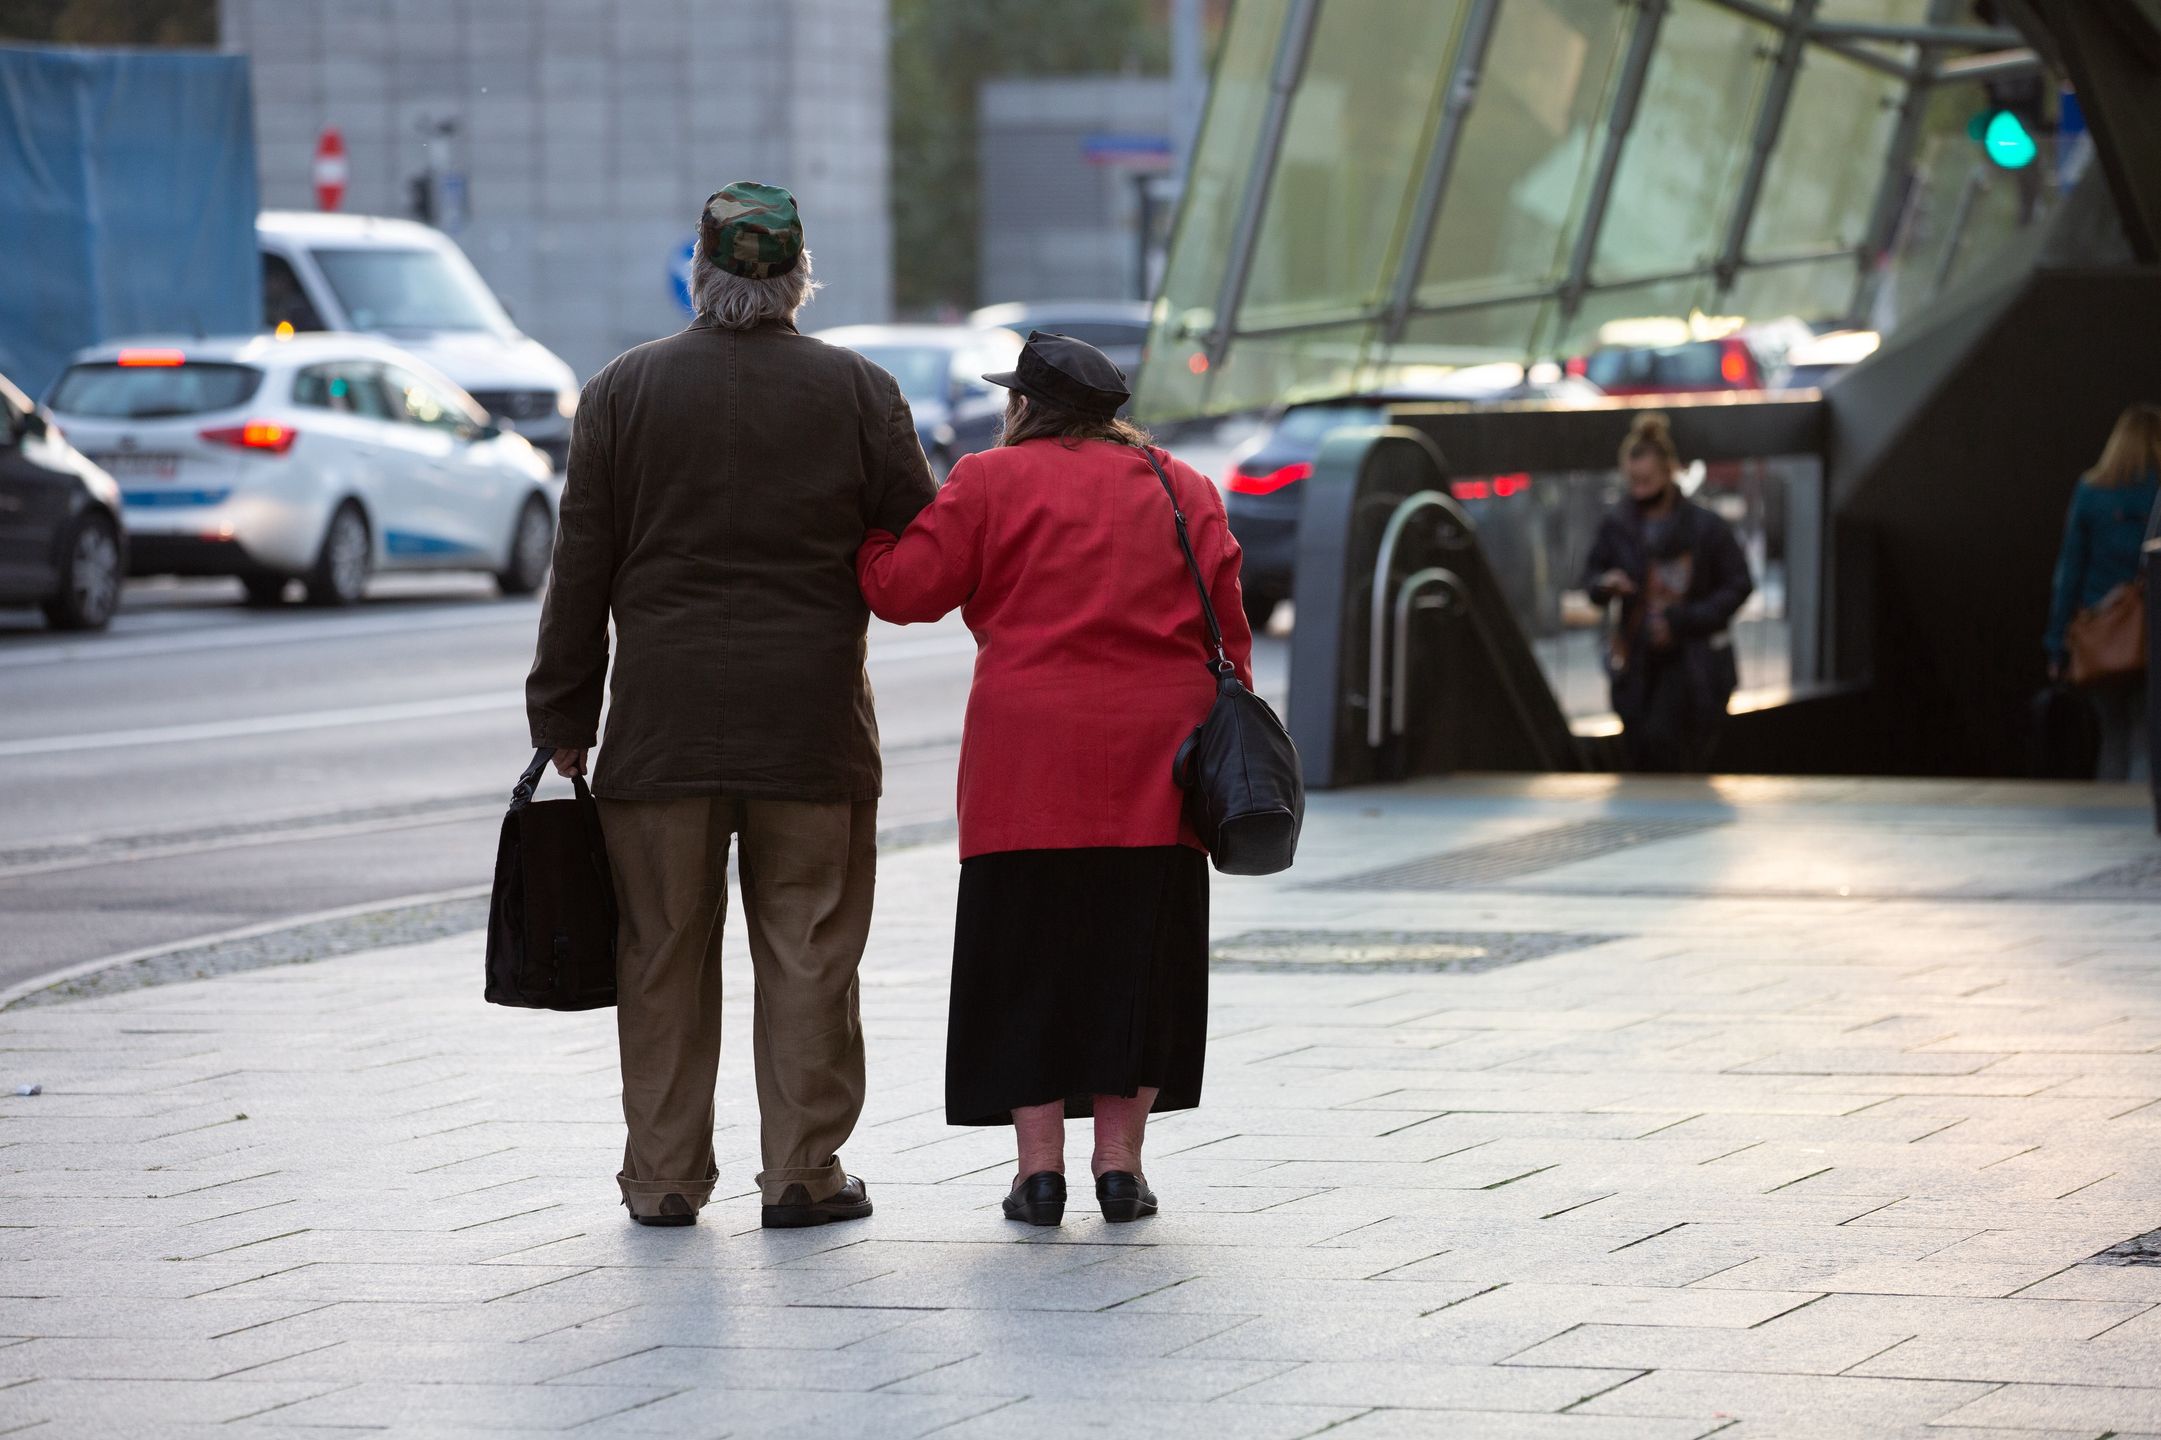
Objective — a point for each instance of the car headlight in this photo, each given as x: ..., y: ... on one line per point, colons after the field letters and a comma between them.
x: 566, y: 403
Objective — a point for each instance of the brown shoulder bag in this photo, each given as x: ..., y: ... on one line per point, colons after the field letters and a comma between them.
x: 2107, y: 641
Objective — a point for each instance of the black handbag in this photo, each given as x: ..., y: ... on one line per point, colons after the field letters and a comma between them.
x: 551, y: 920
x: 1245, y: 792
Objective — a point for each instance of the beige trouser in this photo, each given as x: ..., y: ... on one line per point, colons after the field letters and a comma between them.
x: 808, y: 871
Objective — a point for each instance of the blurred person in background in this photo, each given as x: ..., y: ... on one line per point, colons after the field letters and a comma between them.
x: 1677, y: 573
x: 2112, y: 514
x: 1080, y: 947
x: 720, y: 481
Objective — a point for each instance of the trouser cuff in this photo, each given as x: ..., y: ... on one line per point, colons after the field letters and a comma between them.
x: 822, y: 1181
x: 644, y: 1196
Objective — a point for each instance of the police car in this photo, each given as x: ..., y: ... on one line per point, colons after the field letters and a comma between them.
x: 319, y: 458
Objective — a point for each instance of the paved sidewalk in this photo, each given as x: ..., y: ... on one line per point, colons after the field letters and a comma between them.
x: 1538, y: 1108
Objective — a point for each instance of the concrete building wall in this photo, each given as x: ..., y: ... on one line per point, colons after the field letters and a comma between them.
x: 589, y: 131
x: 1055, y: 224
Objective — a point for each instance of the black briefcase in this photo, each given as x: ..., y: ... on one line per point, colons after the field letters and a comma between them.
x: 551, y: 921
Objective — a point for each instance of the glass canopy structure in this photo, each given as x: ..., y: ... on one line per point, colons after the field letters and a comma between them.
x: 1386, y: 185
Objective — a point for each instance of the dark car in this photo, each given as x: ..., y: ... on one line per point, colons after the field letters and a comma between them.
x: 940, y: 369
x: 1264, y: 496
x: 62, y: 544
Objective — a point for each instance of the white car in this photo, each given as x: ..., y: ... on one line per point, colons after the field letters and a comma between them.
x: 412, y: 285
x: 319, y: 458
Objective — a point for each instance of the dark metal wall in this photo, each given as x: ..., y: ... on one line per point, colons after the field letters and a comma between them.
x: 1953, y: 457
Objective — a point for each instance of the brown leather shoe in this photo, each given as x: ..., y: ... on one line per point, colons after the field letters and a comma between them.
x: 796, y: 1209
x: 674, y: 1210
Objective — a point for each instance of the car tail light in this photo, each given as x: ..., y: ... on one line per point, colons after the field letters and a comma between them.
x: 1245, y: 482
x: 131, y: 359
x: 1733, y: 363
x: 1578, y: 365
x: 1498, y: 487
x: 260, y: 435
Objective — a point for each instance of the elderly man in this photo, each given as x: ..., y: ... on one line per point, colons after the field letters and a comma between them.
x: 720, y: 480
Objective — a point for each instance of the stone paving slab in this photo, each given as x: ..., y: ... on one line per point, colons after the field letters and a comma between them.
x: 1812, y: 1128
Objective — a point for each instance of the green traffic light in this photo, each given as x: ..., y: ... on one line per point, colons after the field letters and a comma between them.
x: 2008, y: 143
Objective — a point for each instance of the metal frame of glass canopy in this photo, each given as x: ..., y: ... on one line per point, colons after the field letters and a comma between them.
x: 1920, y: 56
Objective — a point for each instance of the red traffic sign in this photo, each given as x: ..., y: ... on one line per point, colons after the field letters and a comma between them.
x: 331, y: 170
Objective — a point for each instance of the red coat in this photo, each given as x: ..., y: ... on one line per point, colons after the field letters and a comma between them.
x: 1091, y: 655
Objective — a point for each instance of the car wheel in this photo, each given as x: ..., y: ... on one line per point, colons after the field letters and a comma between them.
x: 89, y: 590
x: 264, y: 590
x: 532, y: 548
x: 340, y: 576
x: 1260, y: 609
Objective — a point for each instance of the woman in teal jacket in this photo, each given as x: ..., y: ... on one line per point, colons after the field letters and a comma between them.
x: 2112, y: 514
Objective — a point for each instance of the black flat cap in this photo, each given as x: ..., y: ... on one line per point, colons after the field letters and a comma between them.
x: 1068, y: 373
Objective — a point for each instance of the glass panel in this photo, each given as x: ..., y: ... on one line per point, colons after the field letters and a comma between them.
x: 1237, y: 100
x: 1360, y: 126
x: 1821, y: 183
x: 1260, y: 371
x: 1683, y: 161
x: 1528, y: 148
x: 1471, y: 337
x: 1821, y: 290
x: 1624, y: 307
x: 1875, y: 12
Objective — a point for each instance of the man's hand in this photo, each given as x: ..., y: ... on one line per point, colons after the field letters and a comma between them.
x: 1661, y: 633
x: 1617, y: 582
x: 570, y: 762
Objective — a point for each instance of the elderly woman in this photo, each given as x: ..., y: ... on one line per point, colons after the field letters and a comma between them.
x: 1080, y: 950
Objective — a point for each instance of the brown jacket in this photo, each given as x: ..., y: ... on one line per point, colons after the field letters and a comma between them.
x: 719, y: 484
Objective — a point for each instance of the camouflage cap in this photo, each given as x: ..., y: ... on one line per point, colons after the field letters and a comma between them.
x: 751, y: 230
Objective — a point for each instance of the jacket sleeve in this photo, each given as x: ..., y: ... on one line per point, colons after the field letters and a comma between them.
x: 933, y: 566
x: 570, y: 665
x: 1604, y: 556
x: 1223, y: 563
x: 2070, y: 578
x: 1729, y: 585
x: 902, y: 483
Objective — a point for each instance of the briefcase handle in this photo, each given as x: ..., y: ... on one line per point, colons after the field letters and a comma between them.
x: 522, y: 795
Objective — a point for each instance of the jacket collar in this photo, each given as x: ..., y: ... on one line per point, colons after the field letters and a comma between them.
x: 704, y: 321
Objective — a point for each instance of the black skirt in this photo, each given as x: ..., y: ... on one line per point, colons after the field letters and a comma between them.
x: 1077, y: 973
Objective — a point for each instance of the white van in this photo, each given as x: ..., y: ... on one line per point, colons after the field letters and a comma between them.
x: 411, y: 284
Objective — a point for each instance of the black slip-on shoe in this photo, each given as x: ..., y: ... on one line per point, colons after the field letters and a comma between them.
x: 796, y: 1209
x: 1124, y: 1196
x: 1039, y: 1199
x: 674, y: 1210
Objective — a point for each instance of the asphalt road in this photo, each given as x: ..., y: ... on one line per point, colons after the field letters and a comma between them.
x: 204, y: 767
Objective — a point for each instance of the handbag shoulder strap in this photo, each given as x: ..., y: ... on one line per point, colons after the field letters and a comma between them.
x: 1221, y: 665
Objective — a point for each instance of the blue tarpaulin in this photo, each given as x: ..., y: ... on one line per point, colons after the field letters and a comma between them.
x: 127, y: 201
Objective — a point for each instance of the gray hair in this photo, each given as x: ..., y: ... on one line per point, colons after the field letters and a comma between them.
x: 737, y: 302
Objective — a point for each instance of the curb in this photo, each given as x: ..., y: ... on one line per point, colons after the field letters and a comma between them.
x: 77, y: 971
